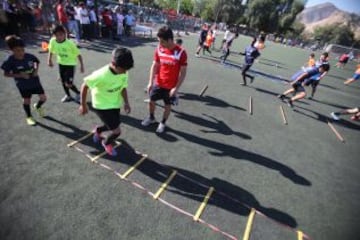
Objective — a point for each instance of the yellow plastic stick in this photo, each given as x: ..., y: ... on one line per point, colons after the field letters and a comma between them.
x: 80, y: 139
x: 249, y: 224
x: 283, y: 115
x: 130, y: 170
x: 164, y: 185
x: 300, y: 235
x: 203, y: 204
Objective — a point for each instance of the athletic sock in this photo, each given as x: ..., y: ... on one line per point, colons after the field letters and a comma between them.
x: 152, y: 116
x: 101, y: 129
x: 39, y: 104
x: 27, y: 110
x: 164, y: 120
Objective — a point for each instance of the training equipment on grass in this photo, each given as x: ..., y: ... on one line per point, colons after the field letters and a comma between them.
x: 104, y: 153
x: 203, y: 204
x: 300, y: 235
x: 130, y: 170
x: 177, y: 173
x: 249, y: 224
x: 80, y: 139
x: 250, y: 106
x: 336, y: 132
x: 203, y: 90
x: 164, y: 185
x: 283, y: 115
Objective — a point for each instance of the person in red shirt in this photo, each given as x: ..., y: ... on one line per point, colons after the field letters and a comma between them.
x: 169, y: 66
x: 60, y: 10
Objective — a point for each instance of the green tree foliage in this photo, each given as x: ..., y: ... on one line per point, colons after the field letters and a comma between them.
x: 334, y: 34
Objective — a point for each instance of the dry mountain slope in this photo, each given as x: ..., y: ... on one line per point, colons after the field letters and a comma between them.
x: 327, y: 14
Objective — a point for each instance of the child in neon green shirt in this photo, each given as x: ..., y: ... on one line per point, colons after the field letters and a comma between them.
x: 108, y: 92
x: 67, y: 55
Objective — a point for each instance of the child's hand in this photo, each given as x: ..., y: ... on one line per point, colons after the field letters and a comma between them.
x: 83, y: 109
x: 127, y: 108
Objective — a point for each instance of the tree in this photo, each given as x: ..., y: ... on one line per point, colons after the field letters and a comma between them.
x: 334, y: 34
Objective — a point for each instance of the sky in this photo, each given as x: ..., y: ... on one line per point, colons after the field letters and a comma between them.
x: 352, y: 6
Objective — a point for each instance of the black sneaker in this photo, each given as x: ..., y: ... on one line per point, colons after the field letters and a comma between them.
x: 281, y: 97
x: 289, y: 102
x: 252, y: 79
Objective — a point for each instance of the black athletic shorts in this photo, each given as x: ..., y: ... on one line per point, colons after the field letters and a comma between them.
x: 67, y: 73
x: 110, y: 117
x: 311, y: 82
x: 298, y: 87
x: 158, y: 93
x: 26, y: 93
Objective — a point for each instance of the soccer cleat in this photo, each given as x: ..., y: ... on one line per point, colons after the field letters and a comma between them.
x: 147, y: 121
x: 30, y: 121
x: 160, y: 128
x: 109, y: 149
x: 197, y: 55
x: 66, y: 98
x: 147, y: 100
x: 39, y: 110
x: 335, y: 116
x: 96, y: 136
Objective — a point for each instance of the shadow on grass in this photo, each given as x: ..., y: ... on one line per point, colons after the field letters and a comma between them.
x: 325, y: 119
x: 209, y: 100
x: 228, y: 196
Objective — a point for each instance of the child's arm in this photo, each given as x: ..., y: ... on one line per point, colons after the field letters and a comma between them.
x: 17, y: 75
x: 153, y: 71
x: 50, y: 63
x: 127, y: 107
x: 81, y: 63
x: 36, y: 69
x: 83, y: 93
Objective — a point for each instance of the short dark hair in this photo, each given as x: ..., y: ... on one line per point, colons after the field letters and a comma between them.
x: 122, y: 57
x: 325, y: 54
x: 179, y: 41
x: 165, y: 33
x: 58, y: 28
x: 325, y: 66
x: 13, y: 41
x: 312, y: 54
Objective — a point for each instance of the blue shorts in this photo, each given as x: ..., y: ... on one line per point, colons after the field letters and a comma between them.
x: 356, y: 76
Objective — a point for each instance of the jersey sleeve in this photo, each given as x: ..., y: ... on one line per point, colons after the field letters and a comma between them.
x: 183, y: 59
x: 91, y: 80
x: 156, y: 56
x: 52, y: 45
x: 6, y: 66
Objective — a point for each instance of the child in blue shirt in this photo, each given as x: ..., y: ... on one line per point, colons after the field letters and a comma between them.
x: 23, y: 67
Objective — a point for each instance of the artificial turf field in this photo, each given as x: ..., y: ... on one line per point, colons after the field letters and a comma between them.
x: 299, y: 175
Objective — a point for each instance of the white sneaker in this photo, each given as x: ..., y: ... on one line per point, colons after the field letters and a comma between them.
x: 147, y: 121
x: 335, y: 116
x: 160, y: 128
x: 66, y: 98
x: 197, y: 55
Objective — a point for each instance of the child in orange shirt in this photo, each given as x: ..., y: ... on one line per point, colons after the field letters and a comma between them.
x: 208, y: 42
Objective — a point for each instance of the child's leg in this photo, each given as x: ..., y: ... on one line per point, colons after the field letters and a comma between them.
x: 26, y: 106
x: 298, y: 96
x: 42, y: 100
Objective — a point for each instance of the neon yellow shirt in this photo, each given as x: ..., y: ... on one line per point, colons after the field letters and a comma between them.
x: 106, y: 88
x: 67, y: 51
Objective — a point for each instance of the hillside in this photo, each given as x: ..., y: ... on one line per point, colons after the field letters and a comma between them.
x: 327, y: 14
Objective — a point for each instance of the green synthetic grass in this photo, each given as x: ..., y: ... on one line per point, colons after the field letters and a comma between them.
x: 299, y: 174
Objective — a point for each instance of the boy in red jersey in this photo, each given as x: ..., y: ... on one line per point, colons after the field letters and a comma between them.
x: 169, y: 66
